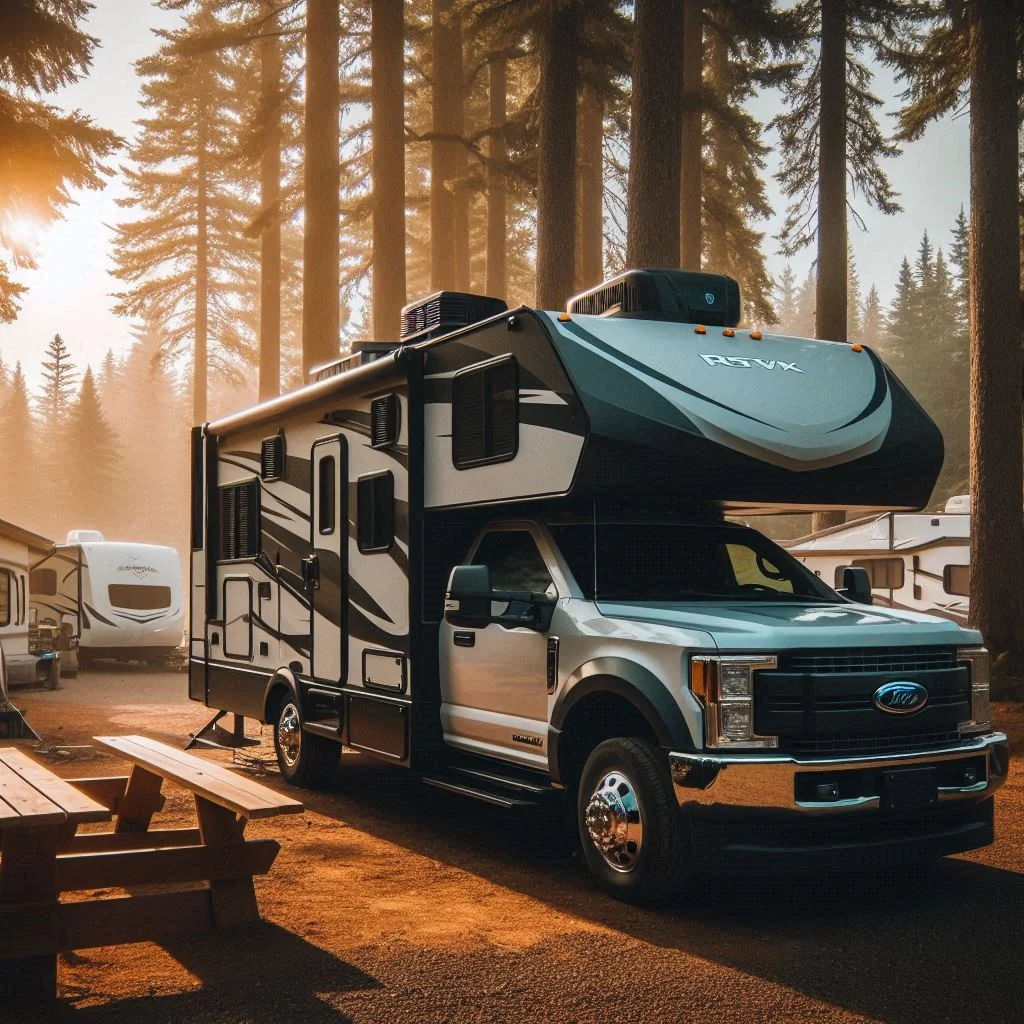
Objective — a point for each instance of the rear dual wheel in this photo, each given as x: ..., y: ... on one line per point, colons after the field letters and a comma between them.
x: 305, y: 759
x: 631, y: 830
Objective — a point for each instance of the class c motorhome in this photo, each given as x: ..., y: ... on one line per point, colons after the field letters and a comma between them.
x: 497, y: 553
x: 123, y: 600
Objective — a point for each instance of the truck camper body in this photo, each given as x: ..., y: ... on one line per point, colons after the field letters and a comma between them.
x: 496, y: 552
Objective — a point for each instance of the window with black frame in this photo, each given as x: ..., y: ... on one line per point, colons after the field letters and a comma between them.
x: 240, y: 521
x: 485, y: 413
x: 375, y: 510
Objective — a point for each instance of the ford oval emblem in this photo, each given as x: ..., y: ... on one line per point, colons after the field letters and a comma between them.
x: 900, y: 698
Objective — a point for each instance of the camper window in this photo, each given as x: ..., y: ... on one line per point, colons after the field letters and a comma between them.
x: 485, y: 414
x: 885, y: 573
x: 375, y: 500
x: 240, y: 521
x: 5, y: 597
x: 139, y: 597
x: 956, y: 580
x: 43, y: 582
x: 327, y: 495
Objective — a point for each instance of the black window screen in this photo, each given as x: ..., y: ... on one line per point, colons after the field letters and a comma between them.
x: 327, y: 497
x: 240, y: 520
x: 485, y: 416
x: 375, y: 499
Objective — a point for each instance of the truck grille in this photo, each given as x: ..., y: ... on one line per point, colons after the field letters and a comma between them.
x: 872, y: 659
x: 870, y: 743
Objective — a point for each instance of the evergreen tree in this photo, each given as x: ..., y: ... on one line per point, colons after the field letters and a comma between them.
x: 59, y: 381
x: 853, y: 306
x: 872, y: 329
x: 959, y: 256
x: 832, y: 143
x: 91, y: 476
x: 185, y: 255
x: 47, y: 153
x: 903, y: 327
x: 786, y: 300
x: 21, y: 472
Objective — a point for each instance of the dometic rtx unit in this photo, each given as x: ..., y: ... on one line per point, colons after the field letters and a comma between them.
x: 498, y: 555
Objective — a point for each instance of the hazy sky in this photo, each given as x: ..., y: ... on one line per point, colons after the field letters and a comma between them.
x: 70, y: 292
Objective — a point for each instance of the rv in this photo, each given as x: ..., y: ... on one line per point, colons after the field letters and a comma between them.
x: 916, y: 560
x: 18, y: 549
x: 498, y: 555
x: 122, y: 600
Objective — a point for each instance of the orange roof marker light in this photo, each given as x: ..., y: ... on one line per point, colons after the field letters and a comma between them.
x: 728, y: 333
x: 858, y: 347
x: 564, y: 318
x: 700, y: 329
x: 756, y: 335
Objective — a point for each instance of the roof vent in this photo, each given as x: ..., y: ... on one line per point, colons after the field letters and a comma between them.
x: 684, y: 296
x: 444, y: 312
x: 272, y: 457
x: 959, y: 503
x: 384, y: 413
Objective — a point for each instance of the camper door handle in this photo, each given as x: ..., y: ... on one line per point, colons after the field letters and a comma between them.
x: 311, y: 572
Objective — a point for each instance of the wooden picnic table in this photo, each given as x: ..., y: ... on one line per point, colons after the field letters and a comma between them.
x: 42, y: 856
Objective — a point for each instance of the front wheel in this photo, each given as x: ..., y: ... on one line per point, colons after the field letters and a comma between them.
x: 630, y: 827
x: 304, y: 759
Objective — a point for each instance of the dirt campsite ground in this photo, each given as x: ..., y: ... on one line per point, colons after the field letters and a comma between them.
x: 390, y: 902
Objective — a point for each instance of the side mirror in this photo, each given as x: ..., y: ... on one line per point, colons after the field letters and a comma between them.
x: 468, y: 602
x: 856, y: 584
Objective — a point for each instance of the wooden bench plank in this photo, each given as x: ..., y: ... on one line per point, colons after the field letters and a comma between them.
x: 41, y: 928
x: 76, y: 805
x: 158, y: 838
x: 29, y: 808
x: 127, y: 868
x: 106, y: 790
x: 214, y: 782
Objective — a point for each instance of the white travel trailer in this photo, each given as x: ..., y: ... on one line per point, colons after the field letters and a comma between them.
x: 19, y: 548
x: 915, y: 560
x: 122, y: 599
x: 498, y: 555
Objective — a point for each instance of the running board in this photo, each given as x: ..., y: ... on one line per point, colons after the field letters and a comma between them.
x: 485, y: 795
x: 332, y: 732
x: 494, y: 778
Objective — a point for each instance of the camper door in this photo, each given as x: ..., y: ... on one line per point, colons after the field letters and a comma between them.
x: 55, y: 587
x: 327, y: 571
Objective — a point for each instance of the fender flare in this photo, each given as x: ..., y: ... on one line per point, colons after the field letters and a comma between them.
x: 631, y: 681
x: 285, y: 677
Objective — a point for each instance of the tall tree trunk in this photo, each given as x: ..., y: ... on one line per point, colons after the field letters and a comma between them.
x: 446, y: 80
x: 462, y: 193
x: 590, y: 190
x: 830, y: 309
x: 718, y: 86
x: 201, y: 324
x: 556, y: 152
x: 322, y: 171
x: 690, y: 158
x: 655, y: 135
x: 270, y: 196
x: 387, y: 96
x: 497, y: 242
x: 997, y: 523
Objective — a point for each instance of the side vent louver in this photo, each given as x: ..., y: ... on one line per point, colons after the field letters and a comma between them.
x: 384, y: 421
x: 443, y: 312
x: 272, y: 457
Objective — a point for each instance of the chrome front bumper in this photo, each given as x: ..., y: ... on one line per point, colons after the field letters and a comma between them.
x: 770, y: 782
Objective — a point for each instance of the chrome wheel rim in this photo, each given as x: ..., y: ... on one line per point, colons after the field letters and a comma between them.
x: 614, y: 822
x: 289, y: 735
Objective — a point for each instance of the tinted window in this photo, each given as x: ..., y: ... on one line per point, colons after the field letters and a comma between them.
x: 485, y: 426
x: 885, y: 573
x: 43, y: 581
x: 375, y: 499
x: 139, y: 597
x: 5, y: 598
x: 514, y: 561
x: 956, y: 580
x: 327, y: 494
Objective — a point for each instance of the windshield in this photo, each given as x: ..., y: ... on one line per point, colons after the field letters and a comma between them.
x: 684, y: 562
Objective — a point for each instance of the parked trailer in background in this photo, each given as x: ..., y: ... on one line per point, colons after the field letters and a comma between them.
x: 920, y: 561
x: 122, y: 599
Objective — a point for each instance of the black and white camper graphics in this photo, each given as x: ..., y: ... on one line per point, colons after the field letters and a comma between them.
x: 500, y: 551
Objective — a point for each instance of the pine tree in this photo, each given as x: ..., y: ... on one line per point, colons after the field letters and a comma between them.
x: 185, y: 256
x: 959, y: 257
x: 854, y: 324
x: 59, y: 381
x: 903, y: 324
x: 786, y: 301
x: 91, y: 476
x: 21, y: 471
x: 872, y: 330
x: 47, y: 153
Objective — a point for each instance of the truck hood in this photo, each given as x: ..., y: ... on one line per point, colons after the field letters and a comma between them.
x: 787, y: 625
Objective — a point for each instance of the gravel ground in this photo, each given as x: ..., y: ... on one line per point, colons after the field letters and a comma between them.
x: 391, y: 902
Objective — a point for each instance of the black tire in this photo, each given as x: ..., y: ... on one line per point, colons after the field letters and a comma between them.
x: 304, y: 759
x: 626, y: 802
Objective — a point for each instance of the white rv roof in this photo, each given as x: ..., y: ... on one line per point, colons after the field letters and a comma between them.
x: 892, y: 531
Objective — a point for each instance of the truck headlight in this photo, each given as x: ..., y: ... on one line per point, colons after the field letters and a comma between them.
x: 977, y: 660
x: 724, y: 684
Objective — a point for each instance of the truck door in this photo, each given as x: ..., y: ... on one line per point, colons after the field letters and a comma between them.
x: 494, y: 680
x: 329, y: 529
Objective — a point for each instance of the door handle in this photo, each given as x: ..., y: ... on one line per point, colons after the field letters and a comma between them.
x: 465, y: 638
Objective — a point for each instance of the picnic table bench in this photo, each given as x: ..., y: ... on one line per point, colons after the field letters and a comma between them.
x: 43, y: 855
